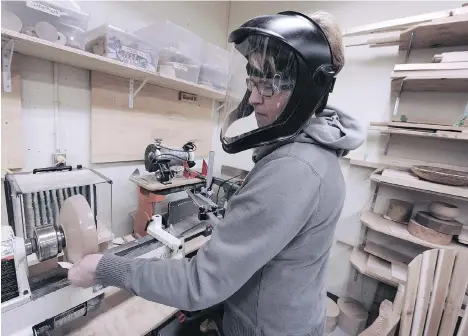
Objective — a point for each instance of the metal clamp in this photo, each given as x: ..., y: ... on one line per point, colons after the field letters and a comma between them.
x: 132, y: 93
x: 7, y: 57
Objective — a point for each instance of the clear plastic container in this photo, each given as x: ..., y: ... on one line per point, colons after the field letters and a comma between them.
x: 60, y: 22
x: 214, y: 70
x: 128, y: 48
x: 181, y: 53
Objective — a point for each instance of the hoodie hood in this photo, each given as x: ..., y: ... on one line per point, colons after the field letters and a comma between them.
x: 331, y: 128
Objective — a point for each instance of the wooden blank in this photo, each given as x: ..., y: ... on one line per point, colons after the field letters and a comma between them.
x: 427, y: 234
x: 353, y: 316
x: 433, y: 82
x: 434, y: 127
x: 457, y: 289
x: 442, y: 277
x: 119, y: 133
x: 426, y: 280
x: 430, y: 66
x: 448, y: 57
x: 385, y: 322
x: 411, y: 289
x: 12, y: 131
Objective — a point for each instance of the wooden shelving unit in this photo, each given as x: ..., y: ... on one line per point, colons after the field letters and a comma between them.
x: 32, y: 46
x: 449, y: 135
x: 376, y: 222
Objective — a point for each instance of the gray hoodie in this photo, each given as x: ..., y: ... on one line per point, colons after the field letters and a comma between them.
x: 267, y: 258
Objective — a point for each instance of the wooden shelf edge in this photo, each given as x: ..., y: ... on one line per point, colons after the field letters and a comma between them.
x: 447, y: 135
x: 359, y: 260
x: 423, y: 186
x: 385, y: 161
x: 35, y: 47
x: 377, y: 223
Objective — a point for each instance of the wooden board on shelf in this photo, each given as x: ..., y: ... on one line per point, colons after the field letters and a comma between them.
x: 449, y: 135
x: 386, y: 254
x: 32, y: 46
x: 444, y: 83
x: 12, y: 128
x: 443, y: 32
x: 377, y: 223
x: 448, y: 57
x: 430, y: 66
x: 411, y: 125
x: 119, y: 133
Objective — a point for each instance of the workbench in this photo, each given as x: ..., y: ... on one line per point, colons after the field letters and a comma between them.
x: 122, y: 313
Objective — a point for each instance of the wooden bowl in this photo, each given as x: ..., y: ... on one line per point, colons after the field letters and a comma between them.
x: 441, y: 175
x: 443, y: 210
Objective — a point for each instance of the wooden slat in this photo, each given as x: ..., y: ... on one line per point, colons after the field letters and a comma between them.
x: 455, y: 296
x: 12, y: 128
x: 463, y: 329
x: 119, y: 133
x: 426, y: 280
x: 411, y: 289
x: 422, y: 133
x: 433, y: 82
x: 442, y: 276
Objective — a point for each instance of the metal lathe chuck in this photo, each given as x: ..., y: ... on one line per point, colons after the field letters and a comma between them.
x: 47, y: 242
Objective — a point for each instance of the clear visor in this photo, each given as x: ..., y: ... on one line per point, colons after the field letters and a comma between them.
x: 262, y: 78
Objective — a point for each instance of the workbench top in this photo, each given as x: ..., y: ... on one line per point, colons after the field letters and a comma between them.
x: 122, y: 313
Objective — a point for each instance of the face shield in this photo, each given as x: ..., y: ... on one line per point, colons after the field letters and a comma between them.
x: 263, y: 74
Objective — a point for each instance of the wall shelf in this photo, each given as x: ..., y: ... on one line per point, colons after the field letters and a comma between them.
x: 373, y: 267
x: 385, y: 161
x: 376, y: 222
x: 449, y: 135
x: 435, y: 82
x: 32, y: 46
x: 397, y: 124
x: 420, y: 185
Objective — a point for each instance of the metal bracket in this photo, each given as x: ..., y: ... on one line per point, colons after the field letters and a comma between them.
x: 408, y: 52
x: 220, y: 107
x: 133, y: 93
x: 387, y: 145
x: 7, y: 57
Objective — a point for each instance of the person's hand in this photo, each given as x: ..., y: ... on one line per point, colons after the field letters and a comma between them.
x: 83, y: 272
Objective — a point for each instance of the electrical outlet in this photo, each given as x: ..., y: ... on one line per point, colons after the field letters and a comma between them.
x: 59, y: 158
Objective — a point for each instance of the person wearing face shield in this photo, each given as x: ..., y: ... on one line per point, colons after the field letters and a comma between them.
x: 267, y: 259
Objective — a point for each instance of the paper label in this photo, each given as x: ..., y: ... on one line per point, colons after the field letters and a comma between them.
x: 43, y: 8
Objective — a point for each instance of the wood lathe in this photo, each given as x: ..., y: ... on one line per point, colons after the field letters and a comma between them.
x: 36, y: 294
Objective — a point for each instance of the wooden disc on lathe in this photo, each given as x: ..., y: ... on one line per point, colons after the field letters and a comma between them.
x: 79, y: 228
x: 427, y: 234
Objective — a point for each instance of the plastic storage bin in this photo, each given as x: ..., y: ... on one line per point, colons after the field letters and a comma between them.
x: 119, y: 45
x: 54, y: 21
x: 214, y: 70
x: 181, y: 53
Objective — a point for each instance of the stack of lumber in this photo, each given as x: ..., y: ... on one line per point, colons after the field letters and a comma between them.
x: 449, y: 57
x: 443, y: 28
x: 422, y: 130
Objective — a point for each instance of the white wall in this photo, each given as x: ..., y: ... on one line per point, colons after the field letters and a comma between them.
x: 363, y: 90
x: 208, y: 19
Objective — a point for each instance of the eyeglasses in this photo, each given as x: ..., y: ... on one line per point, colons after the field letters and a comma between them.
x: 266, y: 89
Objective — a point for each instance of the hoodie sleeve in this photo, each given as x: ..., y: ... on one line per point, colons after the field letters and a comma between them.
x: 263, y: 217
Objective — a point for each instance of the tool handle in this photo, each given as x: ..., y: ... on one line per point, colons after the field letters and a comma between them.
x: 52, y: 169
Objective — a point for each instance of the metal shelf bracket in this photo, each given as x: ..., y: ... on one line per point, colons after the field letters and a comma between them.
x: 7, y: 57
x: 132, y: 93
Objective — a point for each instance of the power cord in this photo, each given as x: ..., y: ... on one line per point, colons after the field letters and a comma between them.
x: 225, y: 181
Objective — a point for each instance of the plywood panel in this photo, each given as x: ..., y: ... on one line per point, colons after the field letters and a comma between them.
x: 12, y: 139
x: 119, y: 133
